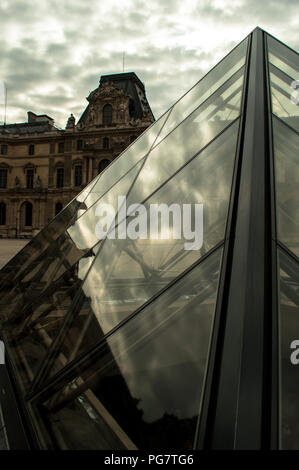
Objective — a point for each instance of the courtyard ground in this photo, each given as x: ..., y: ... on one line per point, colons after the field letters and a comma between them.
x: 9, y: 248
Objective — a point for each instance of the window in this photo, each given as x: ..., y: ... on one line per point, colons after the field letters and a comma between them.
x: 132, y: 138
x: 58, y: 207
x: 2, y: 213
x: 3, y: 178
x: 29, y: 178
x: 103, y: 164
x: 60, y: 177
x: 28, y: 214
x: 3, y: 149
x: 106, y: 143
x: 61, y: 147
x: 79, y: 144
x: 31, y: 149
x: 78, y: 175
x: 107, y: 114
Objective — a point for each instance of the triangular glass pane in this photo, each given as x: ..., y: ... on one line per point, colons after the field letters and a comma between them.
x: 127, y: 273
x: 283, y: 57
x: 288, y: 349
x: 22, y: 261
x: 66, y: 259
x: 83, y: 231
x: 284, y: 104
x: 29, y: 335
x: 286, y: 144
x: 205, y: 88
x: 190, y: 137
x: 127, y: 160
x: 59, y: 256
x: 147, y: 377
x: 76, y: 208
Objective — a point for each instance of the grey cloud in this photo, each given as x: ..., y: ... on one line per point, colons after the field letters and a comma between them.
x: 168, y: 69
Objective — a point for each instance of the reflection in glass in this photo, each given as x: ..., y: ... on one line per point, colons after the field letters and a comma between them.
x: 286, y: 144
x: 283, y: 57
x: 192, y: 135
x: 205, y: 88
x: 30, y: 333
x: 282, y: 105
x: 126, y: 273
x: 125, y: 162
x: 37, y: 248
x: 30, y: 255
x: 289, y: 331
x: 83, y: 231
x: 145, y: 388
x: 48, y: 266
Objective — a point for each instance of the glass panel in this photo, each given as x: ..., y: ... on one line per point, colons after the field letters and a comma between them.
x: 145, y: 385
x: 78, y: 206
x: 65, y: 260
x: 283, y: 57
x: 205, y: 88
x: 33, y: 250
x: 52, y: 263
x: 127, y: 273
x: 282, y: 104
x: 189, y: 138
x: 289, y: 352
x: 286, y: 144
x: 30, y: 333
x: 83, y: 231
x: 126, y: 160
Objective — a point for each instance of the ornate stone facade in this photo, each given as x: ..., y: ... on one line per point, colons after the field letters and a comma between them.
x: 42, y: 167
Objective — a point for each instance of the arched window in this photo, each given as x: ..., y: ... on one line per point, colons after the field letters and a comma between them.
x: 58, y: 207
x: 28, y: 214
x: 106, y: 143
x: 103, y: 164
x: 107, y: 114
x: 2, y: 213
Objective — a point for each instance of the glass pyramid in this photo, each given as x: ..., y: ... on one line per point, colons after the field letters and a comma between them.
x: 130, y: 343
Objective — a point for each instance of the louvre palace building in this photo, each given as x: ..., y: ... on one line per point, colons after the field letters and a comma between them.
x: 43, y: 167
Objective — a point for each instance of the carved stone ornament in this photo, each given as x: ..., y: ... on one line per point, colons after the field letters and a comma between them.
x: 118, y: 140
x: 106, y: 90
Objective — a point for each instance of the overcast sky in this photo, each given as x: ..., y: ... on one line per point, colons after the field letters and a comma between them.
x: 53, y: 52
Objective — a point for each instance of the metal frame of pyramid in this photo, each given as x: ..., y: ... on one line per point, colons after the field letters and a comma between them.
x: 134, y: 344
